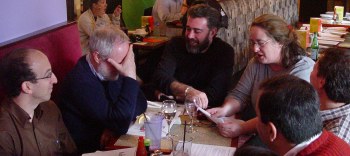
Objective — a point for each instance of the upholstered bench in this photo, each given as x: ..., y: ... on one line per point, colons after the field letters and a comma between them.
x: 61, y: 45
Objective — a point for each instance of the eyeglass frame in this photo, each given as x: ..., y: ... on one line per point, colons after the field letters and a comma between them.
x: 260, y: 45
x: 49, y: 76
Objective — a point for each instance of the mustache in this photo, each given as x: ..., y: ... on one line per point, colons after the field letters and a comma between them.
x: 192, y: 40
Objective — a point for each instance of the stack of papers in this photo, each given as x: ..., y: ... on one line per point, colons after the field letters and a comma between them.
x: 126, y: 152
x: 200, y: 150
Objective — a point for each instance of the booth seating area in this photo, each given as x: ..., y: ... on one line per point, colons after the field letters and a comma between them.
x: 61, y: 45
x: 240, y: 15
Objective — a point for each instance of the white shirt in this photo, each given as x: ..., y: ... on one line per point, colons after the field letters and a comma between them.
x: 296, y: 149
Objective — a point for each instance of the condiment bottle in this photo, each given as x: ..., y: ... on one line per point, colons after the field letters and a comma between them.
x: 141, y: 149
x: 314, y: 48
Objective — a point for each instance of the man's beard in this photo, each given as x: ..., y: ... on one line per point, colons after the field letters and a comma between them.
x: 199, y: 48
x: 107, y: 74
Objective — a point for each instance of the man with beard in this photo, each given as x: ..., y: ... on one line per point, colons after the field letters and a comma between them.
x: 101, y: 92
x: 198, y: 64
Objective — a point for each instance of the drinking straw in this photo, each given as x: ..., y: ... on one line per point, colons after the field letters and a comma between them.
x: 145, y: 117
x: 183, y: 143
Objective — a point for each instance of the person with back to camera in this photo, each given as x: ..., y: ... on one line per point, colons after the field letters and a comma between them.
x: 277, y: 51
x: 331, y: 79
x: 168, y: 11
x: 289, y: 121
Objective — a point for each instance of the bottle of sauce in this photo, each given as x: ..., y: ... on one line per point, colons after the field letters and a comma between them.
x: 147, y: 144
x: 314, y: 48
x: 141, y: 149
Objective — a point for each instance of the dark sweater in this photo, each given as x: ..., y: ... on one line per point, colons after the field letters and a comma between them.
x: 209, y: 72
x: 89, y: 105
x: 328, y: 145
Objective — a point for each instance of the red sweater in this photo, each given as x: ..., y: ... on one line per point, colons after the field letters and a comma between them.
x: 326, y: 145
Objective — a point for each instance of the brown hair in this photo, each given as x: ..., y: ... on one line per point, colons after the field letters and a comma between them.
x: 284, y: 34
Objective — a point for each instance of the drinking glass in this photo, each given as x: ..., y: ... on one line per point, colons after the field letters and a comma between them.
x: 191, y: 103
x: 169, y: 111
x: 182, y: 147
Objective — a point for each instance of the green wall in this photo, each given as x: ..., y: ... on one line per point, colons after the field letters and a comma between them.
x: 133, y: 10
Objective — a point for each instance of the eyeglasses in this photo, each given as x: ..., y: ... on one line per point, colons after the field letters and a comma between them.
x: 45, y: 77
x: 260, y: 44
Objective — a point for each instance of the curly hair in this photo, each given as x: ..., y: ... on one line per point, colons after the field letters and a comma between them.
x: 14, y: 70
x: 284, y: 34
x: 334, y: 67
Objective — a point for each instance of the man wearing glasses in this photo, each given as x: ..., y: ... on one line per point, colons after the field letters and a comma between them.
x: 101, y: 92
x: 199, y: 64
x: 30, y: 123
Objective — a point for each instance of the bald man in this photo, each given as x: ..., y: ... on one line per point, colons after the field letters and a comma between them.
x: 30, y: 123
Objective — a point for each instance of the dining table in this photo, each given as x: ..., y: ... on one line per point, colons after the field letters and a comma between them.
x: 206, y: 139
x: 148, y: 45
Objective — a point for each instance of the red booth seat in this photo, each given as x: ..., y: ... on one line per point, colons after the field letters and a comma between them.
x: 61, y: 45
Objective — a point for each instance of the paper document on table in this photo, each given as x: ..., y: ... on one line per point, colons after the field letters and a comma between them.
x: 153, y: 104
x: 126, y: 151
x: 328, y: 35
x: 331, y: 38
x: 324, y: 42
x: 200, y: 150
x: 208, y: 115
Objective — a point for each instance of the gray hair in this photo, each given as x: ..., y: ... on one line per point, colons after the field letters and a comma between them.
x: 105, y: 38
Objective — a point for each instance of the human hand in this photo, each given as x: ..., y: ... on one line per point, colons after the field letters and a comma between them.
x: 203, y: 99
x: 231, y: 129
x: 107, y: 138
x: 217, y: 112
x: 117, y: 11
x: 127, y: 67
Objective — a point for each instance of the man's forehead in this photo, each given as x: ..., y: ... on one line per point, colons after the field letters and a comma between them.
x: 197, y: 21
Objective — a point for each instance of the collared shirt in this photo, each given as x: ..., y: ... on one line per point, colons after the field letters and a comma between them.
x: 296, y: 149
x: 45, y: 135
x: 99, y: 76
x: 337, y: 121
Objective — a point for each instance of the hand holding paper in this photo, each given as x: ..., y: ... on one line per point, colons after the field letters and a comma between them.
x: 208, y: 115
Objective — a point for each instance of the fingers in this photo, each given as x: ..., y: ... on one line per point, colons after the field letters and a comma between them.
x: 212, y: 110
x: 216, y: 112
x: 203, y: 99
x: 115, y: 64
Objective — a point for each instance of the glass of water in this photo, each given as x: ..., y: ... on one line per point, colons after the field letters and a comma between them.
x: 191, y: 103
x: 169, y: 111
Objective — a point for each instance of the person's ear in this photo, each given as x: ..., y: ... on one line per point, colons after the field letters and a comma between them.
x: 96, y: 57
x: 26, y: 87
x: 212, y: 32
x: 272, y: 130
x: 321, y: 82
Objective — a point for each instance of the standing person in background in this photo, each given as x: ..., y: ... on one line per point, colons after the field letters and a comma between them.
x: 277, y: 51
x: 331, y: 79
x: 101, y: 95
x: 95, y: 17
x: 166, y: 11
x: 31, y: 124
